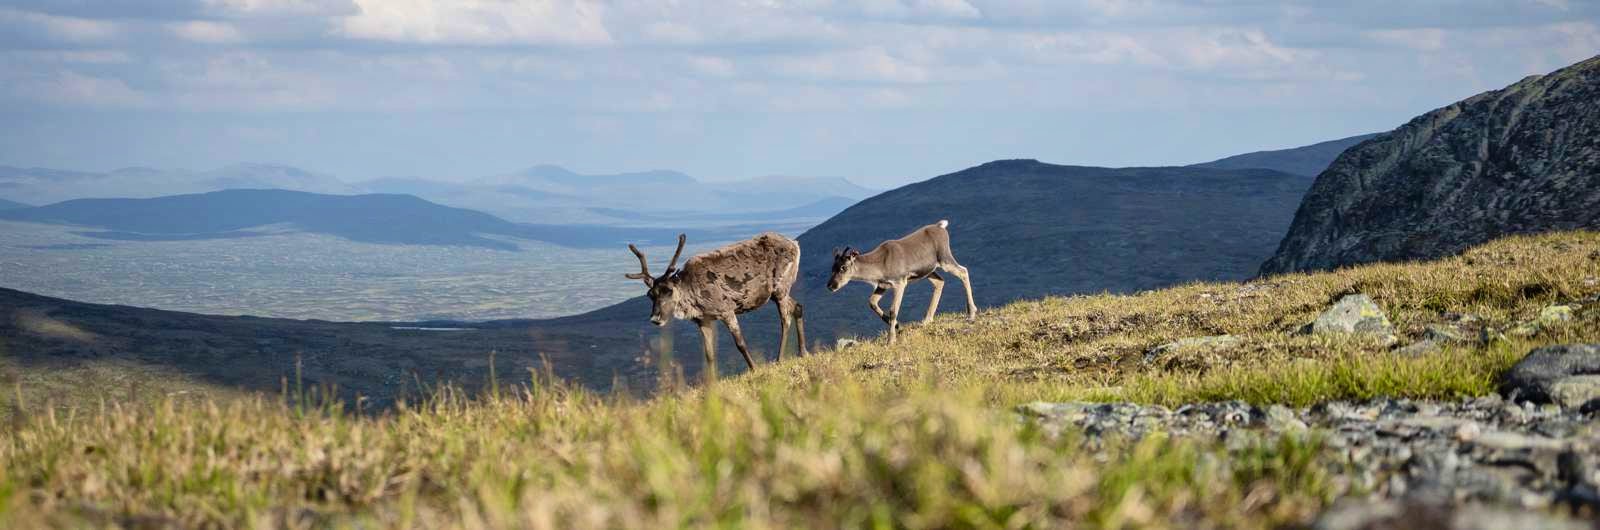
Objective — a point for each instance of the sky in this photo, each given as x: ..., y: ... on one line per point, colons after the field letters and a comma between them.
x: 880, y: 91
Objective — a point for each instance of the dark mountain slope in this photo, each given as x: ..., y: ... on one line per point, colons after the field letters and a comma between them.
x: 1307, y: 160
x: 368, y: 218
x: 1522, y: 159
x: 1025, y: 229
x: 11, y: 205
x: 373, y: 360
x: 372, y: 218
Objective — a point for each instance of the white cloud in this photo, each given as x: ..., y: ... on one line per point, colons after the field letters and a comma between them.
x: 712, y: 66
x: 281, y: 7
x: 1418, y: 39
x: 207, y: 32
x: 71, y: 29
x: 70, y: 88
x: 866, y: 64
x: 480, y: 22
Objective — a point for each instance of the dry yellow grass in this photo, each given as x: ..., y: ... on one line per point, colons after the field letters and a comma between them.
x: 919, y: 435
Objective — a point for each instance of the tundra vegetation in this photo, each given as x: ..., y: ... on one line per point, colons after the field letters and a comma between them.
x: 921, y: 434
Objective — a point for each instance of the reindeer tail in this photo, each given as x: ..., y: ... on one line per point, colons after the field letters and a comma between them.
x: 944, y: 223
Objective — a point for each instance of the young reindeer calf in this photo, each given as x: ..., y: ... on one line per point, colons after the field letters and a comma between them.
x: 724, y: 283
x: 894, y: 264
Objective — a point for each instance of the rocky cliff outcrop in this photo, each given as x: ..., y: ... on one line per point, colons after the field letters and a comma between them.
x: 1522, y: 159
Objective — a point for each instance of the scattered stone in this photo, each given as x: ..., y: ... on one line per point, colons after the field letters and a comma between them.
x: 1549, y: 316
x: 1510, y: 441
x: 1419, y: 348
x: 1450, y: 453
x: 1353, y: 314
x: 1441, y: 333
x: 1533, y: 378
x: 1575, y: 391
x: 1358, y: 514
x: 843, y: 343
x: 1217, y: 341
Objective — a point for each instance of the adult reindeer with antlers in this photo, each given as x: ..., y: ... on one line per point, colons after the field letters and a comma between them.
x: 725, y: 283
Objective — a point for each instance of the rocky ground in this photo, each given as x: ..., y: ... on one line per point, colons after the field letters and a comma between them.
x: 1486, y: 462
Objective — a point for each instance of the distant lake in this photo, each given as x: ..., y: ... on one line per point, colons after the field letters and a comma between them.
x: 319, y: 277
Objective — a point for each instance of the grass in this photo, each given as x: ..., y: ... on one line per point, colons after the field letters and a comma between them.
x: 916, y: 435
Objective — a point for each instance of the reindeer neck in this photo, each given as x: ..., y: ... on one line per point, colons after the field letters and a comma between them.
x: 870, y: 266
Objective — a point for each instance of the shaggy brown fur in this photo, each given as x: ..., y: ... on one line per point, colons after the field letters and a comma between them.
x: 726, y: 282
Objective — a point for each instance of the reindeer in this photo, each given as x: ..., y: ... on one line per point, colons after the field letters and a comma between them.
x: 894, y: 264
x: 725, y: 283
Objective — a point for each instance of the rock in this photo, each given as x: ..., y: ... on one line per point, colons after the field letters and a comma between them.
x: 1217, y: 341
x: 1353, y: 314
x: 1548, y: 317
x: 1468, y: 432
x: 1357, y: 514
x: 1510, y: 441
x: 1442, y: 333
x: 1281, y: 418
x: 843, y: 343
x: 1444, y: 454
x: 1419, y: 348
x: 1518, y: 160
x: 1575, y: 391
x: 1533, y: 377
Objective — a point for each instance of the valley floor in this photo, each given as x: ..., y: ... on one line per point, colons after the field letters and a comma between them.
x: 987, y: 424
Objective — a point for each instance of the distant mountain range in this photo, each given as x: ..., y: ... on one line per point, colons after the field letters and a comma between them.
x: 1306, y: 161
x: 373, y: 218
x: 541, y: 194
x: 1518, y: 160
x: 7, y: 205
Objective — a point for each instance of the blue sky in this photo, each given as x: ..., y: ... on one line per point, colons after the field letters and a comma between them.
x: 880, y: 91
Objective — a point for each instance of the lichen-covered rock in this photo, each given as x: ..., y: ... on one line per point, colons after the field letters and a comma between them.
x: 1548, y: 317
x: 1353, y: 314
x: 1217, y: 341
x: 1535, y: 376
x: 1575, y: 391
x: 1444, y: 333
x: 1519, y: 160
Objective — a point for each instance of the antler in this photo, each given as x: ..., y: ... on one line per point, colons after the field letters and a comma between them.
x: 644, y: 267
x: 672, y: 266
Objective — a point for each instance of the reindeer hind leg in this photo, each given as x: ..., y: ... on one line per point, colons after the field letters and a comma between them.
x: 938, y: 290
x: 732, y: 322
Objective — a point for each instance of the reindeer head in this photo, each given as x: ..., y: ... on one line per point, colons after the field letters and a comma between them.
x: 844, y: 262
x: 663, y: 289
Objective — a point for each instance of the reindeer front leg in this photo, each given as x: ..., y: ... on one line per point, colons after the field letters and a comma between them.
x: 872, y: 301
x: 708, y: 345
x: 894, y: 312
x: 738, y: 339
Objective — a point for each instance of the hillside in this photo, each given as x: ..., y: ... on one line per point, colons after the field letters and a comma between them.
x: 10, y: 205
x: 1027, y: 229
x: 1305, y: 160
x: 41, y: 336
x: 1063, y: 412
x: 1518, y: 160
x: 373, y: 218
